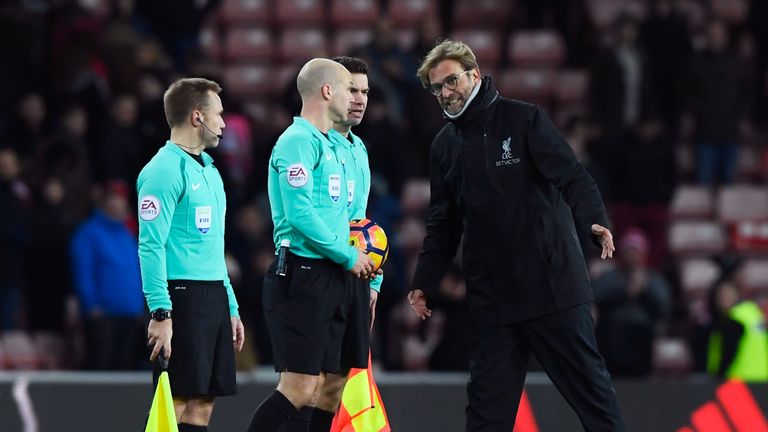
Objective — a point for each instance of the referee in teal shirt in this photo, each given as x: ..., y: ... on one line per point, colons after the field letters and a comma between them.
x: 307, y: 185
x: 182, y: 206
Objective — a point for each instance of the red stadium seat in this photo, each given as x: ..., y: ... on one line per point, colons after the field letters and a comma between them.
x: 20, y: 351
x: 529, y: 85
x: 671, y: 356
x: 293, y: 13
x: 536, y: 48
x: 356, y: 12
x: 697, y: 238
x: 300, y: 45
x: 692, y: 201
x: 244, y: 11
x: 410, y: 12
x: 347, y: 39
x: 754, y: 275
x: 742, y: 202
x: 244, y: 44
x: 486, y: 44
x: 697, y: 275
x: 249, y: 80
x: 488, y: 13
x: 571, y: 87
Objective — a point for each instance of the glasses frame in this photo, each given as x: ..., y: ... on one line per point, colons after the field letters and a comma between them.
x: 437, y: 88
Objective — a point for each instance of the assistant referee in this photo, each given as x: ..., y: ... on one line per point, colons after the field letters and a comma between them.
x: 181, y: 247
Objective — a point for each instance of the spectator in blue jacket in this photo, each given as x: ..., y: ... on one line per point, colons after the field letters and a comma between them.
x: 105, y: 267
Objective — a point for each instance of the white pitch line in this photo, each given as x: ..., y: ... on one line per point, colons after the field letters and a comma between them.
x: 24, y: 402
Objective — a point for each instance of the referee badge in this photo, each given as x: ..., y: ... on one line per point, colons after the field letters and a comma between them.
x: 334, y: 187
x: 149, y: 207
x: 203, y: 218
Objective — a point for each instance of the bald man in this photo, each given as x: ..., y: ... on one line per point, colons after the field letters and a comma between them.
x: 308, y: 197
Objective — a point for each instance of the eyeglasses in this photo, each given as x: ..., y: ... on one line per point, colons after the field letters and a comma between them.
x: 450, y: 83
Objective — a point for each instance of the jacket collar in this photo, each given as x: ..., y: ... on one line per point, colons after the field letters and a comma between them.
x: 485, y: 98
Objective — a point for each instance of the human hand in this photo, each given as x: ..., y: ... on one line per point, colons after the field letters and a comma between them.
x: 606, y: 240
x: 418, y: 301
x: 238, y: 333
x: 363, y: 266
x: 160, y: 334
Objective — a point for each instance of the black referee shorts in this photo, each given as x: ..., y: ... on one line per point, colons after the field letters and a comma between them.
x: 203, y: 358
x: 314, y: 320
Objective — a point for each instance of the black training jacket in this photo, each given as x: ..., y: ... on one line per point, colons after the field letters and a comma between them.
x: 502, y: 175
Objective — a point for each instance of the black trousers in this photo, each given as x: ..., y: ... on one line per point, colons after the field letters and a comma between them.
x: 564, y: 343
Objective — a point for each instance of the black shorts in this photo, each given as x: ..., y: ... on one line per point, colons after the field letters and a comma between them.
x: 203, y: 358
x: 311, y: 320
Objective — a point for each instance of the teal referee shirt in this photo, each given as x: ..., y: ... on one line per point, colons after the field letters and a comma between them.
x: 355, y: 162
x: 181, y: 224
x: 307, y: 187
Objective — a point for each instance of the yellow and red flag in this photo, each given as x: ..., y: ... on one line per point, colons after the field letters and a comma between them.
x: 361, y: 407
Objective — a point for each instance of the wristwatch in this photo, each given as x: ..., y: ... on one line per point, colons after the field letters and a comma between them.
x: 160, y: 314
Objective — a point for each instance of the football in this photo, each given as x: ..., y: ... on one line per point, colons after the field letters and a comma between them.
x: 371, y: 239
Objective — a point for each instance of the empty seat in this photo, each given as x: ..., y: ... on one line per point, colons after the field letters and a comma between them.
x: 249, y: 80
x: 293, y: 13
x: 244, y: 11
x: 671, y: 355
x: 244, y: 44
x: 742, y: 202
x: 51, y: 348
x: 210, y: 42
x: 536, y: 48
x: 529, y: 85
x: 599, y: 266
x: 410, y: 12
x: 692, y: 201
x: 20, y: 351
x: 698, y: 274
x: 697, y: 237
x: 481, y: 12
x: 300, y: 45
x: 755, y: 274
x: 750, y: 236
x: 347, y: 39
x: 357, y: 12
x: 486, y: 44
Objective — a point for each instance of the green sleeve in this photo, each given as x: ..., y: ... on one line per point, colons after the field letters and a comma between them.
x: 376, y: 283
x: 292, y: 152
x: 231, y: 296
x: 159, y: 188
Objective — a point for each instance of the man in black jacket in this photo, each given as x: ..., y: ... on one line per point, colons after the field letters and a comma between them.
x: 502, y: 175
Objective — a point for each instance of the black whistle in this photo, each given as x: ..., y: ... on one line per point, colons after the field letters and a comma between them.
x: 282, y: 258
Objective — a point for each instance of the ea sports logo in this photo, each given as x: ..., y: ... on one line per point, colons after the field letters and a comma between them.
x: 297, y: 175
x: 149, y: 207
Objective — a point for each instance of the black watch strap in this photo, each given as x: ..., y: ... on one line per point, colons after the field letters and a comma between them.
x: 160, y: 314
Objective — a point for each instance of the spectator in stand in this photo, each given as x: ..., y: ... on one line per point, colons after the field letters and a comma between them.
x: 665, y: 37
x: 14, y: 197
x: 121, y: 148
x: 718, y: 97
x: 643, y: 177
x: 105, y: 268
x: 738, y: 341
x: 27, y: 128
x: 631, y: 300
x: 620, y: 87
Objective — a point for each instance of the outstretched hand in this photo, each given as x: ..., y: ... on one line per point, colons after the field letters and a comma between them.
x: 606, y: 240
x: 418, y: 301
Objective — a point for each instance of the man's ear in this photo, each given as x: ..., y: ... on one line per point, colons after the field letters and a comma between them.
x: 327, y: 91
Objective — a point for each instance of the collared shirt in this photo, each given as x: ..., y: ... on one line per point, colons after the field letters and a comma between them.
x: 182, y: 206
x: 307, y: 188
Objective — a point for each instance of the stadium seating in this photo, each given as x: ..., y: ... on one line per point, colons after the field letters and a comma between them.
x: 249, y: 44
x: 536, y: 48
x: 486, y: 44
x: 692, y: 201
x: 299, y: 45
x: 346, y: 39
x: 249, y: 80
x: 410, y: 12
x: 742, y: 202
x: 20, y: 351
x: 700, y: 237
x: 604, y: 12
x: 244, y: 11
x: 733, y: 11
x: 571, y: 87
x: 488, y: 13
x: 294, y: 13
x: 530, y: 85
x: 754, y: 275
x: 357, y: 12
x: 671, y: 355
x: 210, y: 42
